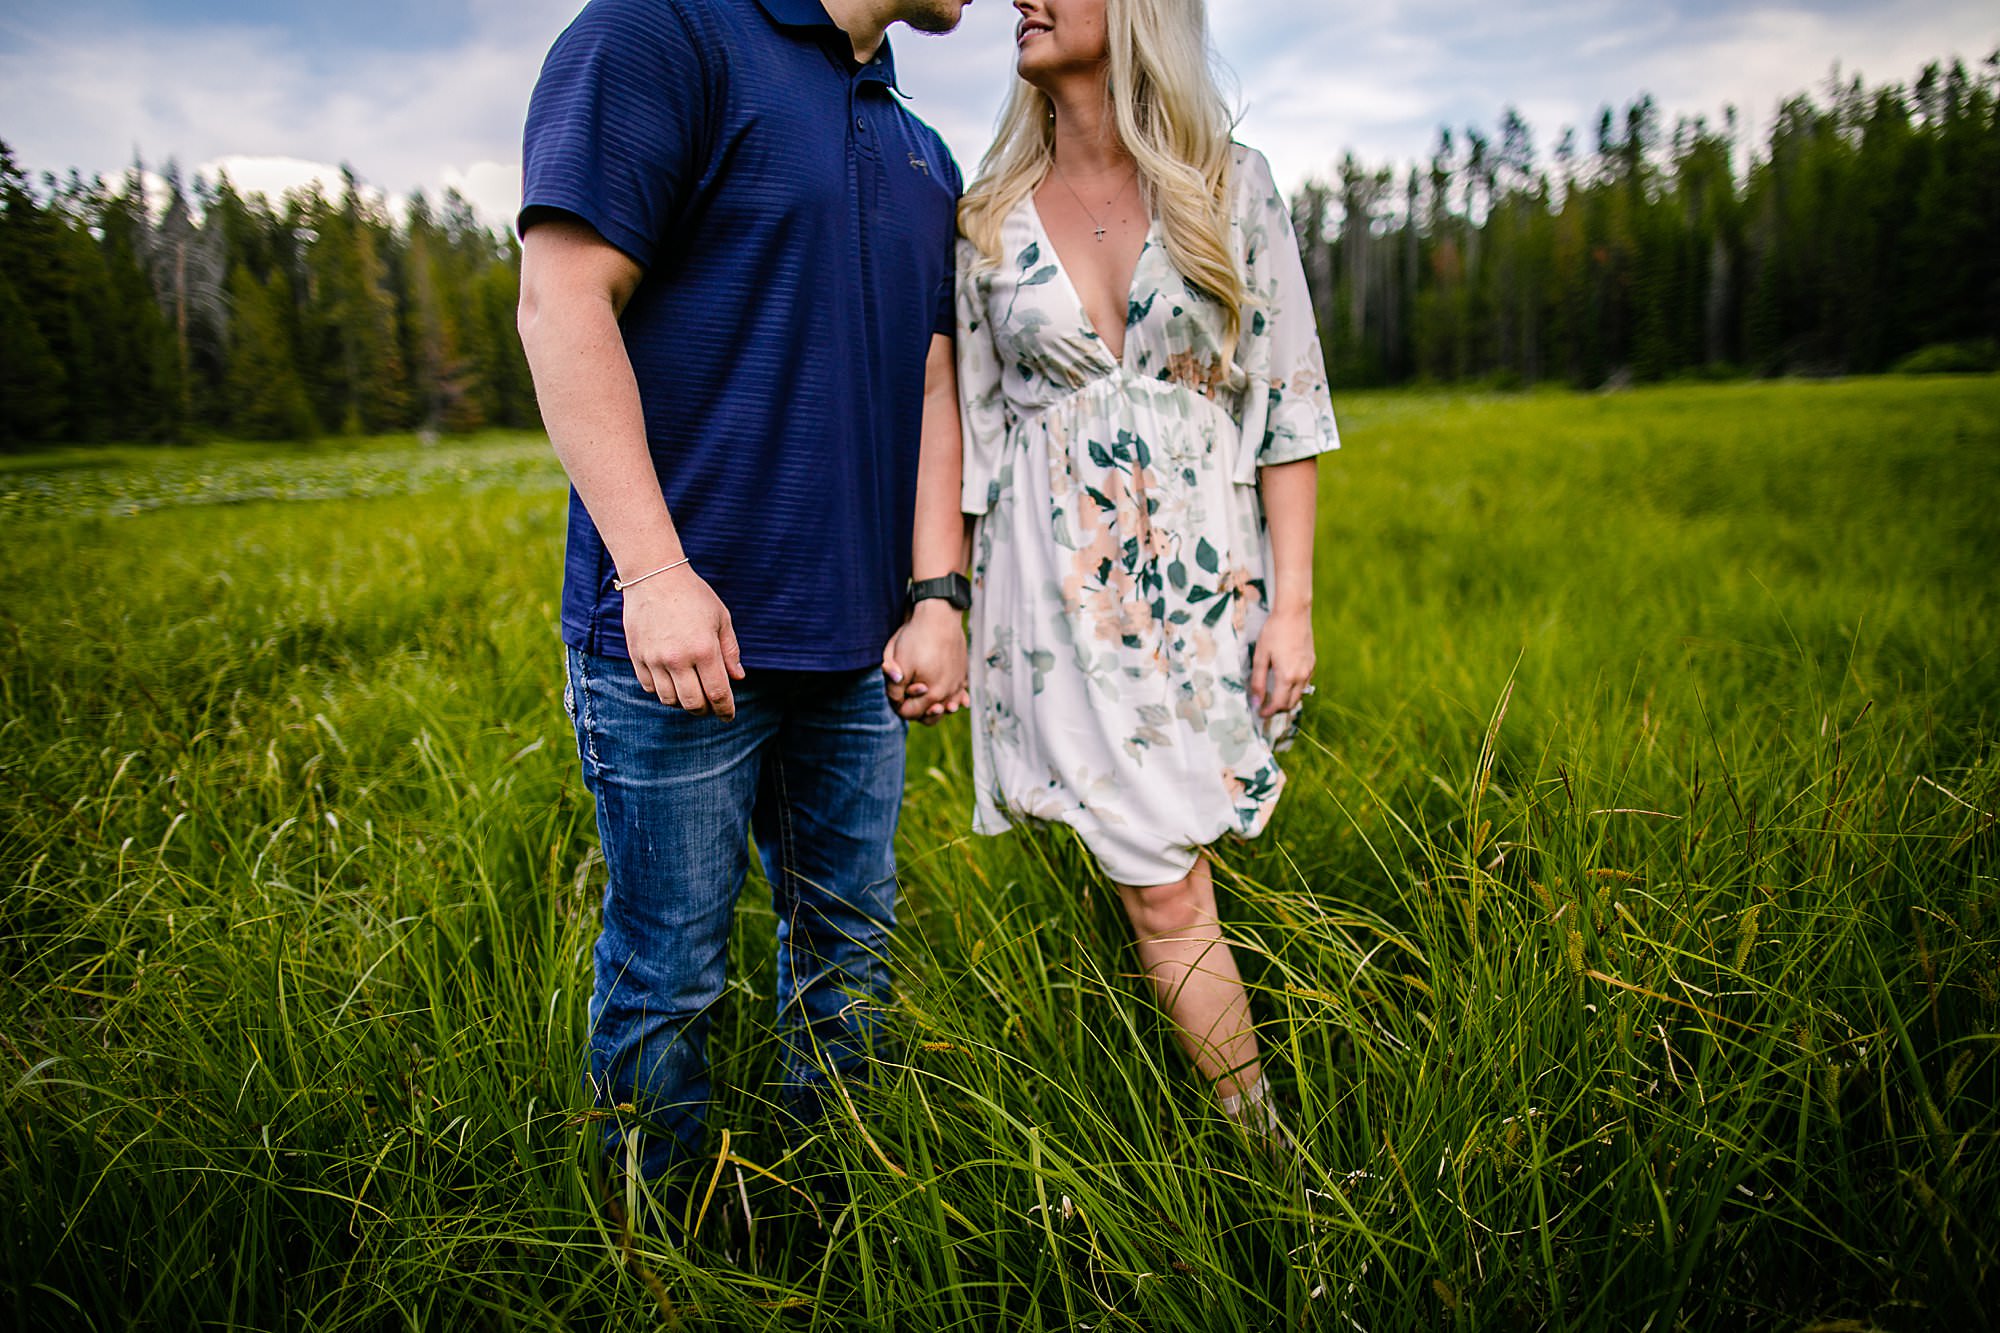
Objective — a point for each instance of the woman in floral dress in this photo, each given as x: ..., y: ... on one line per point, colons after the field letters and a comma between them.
x: 1143, y: 401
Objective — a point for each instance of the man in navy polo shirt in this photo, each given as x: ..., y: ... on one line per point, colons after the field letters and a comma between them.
x: 736, y: 300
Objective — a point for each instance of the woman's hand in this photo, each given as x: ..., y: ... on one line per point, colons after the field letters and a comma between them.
x: 1281, y: 669
x: 925, y: 663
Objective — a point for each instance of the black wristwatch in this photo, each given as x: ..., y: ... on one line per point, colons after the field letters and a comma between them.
x: 954, y: 587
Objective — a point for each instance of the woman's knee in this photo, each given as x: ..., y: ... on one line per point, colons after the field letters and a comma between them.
x: 1170, y: 909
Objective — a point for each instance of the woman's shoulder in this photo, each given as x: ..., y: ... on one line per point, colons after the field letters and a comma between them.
x: 1251, y: 173
x: 970, y: 264
x: 1243, y: 154
x: 1017, y: 229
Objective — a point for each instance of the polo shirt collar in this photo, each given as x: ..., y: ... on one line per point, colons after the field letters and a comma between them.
x: 882, y: 69
x: 798, y: 13
x: 812, y: 14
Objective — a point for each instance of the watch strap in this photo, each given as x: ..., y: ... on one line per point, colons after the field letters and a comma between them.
x: 954, y: 588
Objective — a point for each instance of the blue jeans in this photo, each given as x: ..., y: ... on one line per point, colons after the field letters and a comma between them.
x: 812, y: 764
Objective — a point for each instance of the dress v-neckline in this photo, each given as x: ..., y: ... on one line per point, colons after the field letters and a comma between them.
x: 1076, y: 297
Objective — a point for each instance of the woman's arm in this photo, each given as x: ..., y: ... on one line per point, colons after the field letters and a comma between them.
x: 1283, y: 355
x: 1282, y: 666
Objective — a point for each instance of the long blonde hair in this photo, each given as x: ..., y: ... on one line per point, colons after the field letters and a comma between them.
x: 1170, y: 115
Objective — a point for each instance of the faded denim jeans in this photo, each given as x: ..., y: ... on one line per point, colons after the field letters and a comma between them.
x: 812, y: 764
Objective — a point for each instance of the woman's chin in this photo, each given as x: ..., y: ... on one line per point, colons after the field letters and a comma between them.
x: 1043, y: 73
x: 1047, y: 66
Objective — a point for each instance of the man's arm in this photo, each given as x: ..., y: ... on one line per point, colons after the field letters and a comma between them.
x: 925, y: 661
x: 574, y: 286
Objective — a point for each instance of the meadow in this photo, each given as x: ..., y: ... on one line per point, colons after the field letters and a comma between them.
x: 1627, y: 946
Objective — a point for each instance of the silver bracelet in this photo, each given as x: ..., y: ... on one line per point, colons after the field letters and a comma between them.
x: 620, y: 585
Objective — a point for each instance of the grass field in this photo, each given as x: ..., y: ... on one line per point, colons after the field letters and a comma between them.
x: 1627, y: 946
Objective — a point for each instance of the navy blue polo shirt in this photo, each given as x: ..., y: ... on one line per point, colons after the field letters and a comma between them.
x: 795, y: 224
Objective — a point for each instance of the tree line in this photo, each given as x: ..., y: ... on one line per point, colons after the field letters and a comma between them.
x: 205, y: 311
x: 1864, y: 234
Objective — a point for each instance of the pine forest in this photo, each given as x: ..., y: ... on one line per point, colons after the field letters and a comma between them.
x: 1861, y: 234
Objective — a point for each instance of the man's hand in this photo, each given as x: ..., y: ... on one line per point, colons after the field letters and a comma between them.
x: 925, y: 663
x: 1282, y: 666
x: 682, y: 645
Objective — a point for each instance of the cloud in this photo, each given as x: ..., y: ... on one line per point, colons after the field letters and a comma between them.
x: 272, y: 177
x: 1755, y: 57
x: 957, y: 82
x: 1381, y: 79
x: 214, y: 94
x: 492, y: 188
x: 435, y: 104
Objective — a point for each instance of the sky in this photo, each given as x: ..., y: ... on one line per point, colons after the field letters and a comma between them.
x: 429, y: 94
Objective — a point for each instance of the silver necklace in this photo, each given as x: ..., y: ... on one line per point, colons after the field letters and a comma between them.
x: 1099, y: 226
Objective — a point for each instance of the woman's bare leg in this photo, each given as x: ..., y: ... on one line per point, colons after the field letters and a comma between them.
x: 1194, y: 975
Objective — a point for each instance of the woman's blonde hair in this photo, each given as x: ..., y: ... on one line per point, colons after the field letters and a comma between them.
x: 1170, y: 115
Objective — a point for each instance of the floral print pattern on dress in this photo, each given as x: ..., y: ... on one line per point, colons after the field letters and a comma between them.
x: 1120, y: 557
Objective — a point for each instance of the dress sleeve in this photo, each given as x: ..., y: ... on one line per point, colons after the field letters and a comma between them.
x: 982, y: 411
x: 1287, y: 412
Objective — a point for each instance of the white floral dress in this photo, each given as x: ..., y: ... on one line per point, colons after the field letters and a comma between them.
x: 1120, y: 556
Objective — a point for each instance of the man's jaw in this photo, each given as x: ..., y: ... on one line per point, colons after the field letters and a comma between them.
x: 936, y: 17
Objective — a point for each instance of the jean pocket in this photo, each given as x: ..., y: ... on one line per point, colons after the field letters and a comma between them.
x: 581, y: 704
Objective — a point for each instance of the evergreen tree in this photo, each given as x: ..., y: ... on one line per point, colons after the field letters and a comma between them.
x: 1864, y: 227
x: 188, y: 267
x: 150, y: 392
x: 266, y: 399
x: 354, y: 319
x: 44, y: 331
x: 33, y: 403
x: 444, y: 377
x: 504, y: 363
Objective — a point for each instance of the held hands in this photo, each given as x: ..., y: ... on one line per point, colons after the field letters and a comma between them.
x: 681, y: 642
x: 1281, y: 668
x: 925, y: 664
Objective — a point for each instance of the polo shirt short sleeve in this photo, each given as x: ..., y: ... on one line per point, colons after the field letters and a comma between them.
x: 617, y: 118
x: 794, y: 223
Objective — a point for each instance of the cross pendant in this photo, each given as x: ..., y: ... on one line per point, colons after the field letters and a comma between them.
x: 1099, y: 233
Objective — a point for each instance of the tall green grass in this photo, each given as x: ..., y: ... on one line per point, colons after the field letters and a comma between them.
x: 1627, y: 946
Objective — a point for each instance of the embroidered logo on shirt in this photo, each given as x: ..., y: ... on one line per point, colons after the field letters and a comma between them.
x: 918, y: 164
